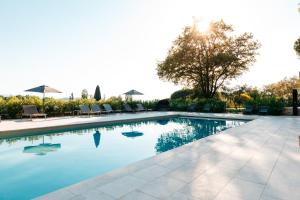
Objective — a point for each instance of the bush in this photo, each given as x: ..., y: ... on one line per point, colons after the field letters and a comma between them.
x: 163, y: 105
x: 11, y: 107
x: 54, y: 107
x: 115, y: 102
x: 179, y: 104
x: 182, y: 94
x: 198, y: 104
x: 276, y: 105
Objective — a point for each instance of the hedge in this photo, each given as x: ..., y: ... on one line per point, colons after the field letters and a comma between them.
x: 11, y: 107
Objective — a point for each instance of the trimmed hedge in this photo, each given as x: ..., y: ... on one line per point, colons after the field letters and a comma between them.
x: 276, y: 105
x: 197, y: 104
x: 11, y: 107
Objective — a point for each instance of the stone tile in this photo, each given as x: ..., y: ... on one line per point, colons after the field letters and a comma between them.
x: 284, y: 183
x: 162, y: 187
x: 255, y: 174
x: 207, y: 186
x: 181, y: 196
x: 173, y: 162
x: 224, y: 196
x: 121, y: 186
x: 190, y: 171
x: 95, y: 194
x: 137, y: 195
x: 150, y: 173
x: 242, y: 189
x: 264, y: 197
x: 57, y: 195
x: 82, y: 187
x: 78, y: 197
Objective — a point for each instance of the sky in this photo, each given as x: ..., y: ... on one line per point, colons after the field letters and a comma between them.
x: 73, y: 45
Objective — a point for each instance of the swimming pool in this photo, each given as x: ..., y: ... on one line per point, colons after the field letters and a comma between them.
x: 35, y: 165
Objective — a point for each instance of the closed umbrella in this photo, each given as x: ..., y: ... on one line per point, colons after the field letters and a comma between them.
x: 43, y: 89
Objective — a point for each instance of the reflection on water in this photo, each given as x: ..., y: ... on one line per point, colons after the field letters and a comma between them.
x: 42, y: 149
x: 97, y: 137
x: 132, y: 134
x: 77, y: 131
x: 193, y: 129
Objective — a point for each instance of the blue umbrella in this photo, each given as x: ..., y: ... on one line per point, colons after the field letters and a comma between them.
x: 43, y: 89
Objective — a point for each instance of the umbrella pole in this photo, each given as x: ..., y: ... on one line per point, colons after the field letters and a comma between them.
x: 43, y: 102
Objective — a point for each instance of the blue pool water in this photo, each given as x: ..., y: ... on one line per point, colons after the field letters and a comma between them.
x: 35, y: 165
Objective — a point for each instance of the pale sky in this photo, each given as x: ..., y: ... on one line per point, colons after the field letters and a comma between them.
x: 76, y: 44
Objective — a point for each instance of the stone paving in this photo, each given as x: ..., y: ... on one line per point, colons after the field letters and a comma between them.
x: 258, y: 160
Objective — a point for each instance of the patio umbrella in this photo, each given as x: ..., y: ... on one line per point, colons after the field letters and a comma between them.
x: 43, y: 89
x: 97, y: 137
x: 130, y: 93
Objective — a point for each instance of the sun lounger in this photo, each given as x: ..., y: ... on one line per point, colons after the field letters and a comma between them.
x: 109, y: 109
x: 140, y: 107
x: 96, y: 109
x: 127, y: 108
x: 31, y: 111
x: 207, y: 108
x: 263, y: 110
x: 85, y: 110
x: 248, y: 109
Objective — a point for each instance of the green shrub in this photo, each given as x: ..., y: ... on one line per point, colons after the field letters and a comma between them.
x: 54, y: 107
x: 150, y: 104
x: 276, y: 105
x: 163, y: 104
x: 184, y: 104
x: 179, y: 104
x: 115, y: 102
x: 13, y: 107
x: 182, y: 94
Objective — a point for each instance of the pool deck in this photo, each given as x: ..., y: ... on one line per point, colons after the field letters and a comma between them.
x: 258, y: 160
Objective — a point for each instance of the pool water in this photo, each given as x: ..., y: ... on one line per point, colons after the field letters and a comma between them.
x: 35, y: 165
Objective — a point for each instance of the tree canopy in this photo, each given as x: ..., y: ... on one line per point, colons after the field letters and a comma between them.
x: 283, y: 88
x: 205, y: 60
x: 297, y: 46
x: 84, y: 94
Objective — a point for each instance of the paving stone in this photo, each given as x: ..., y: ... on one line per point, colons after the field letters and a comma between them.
x: 162, y: 187
x: 150, y: 173
x: 138, y: 195
x: 121, y: 186
x: 241, y: 189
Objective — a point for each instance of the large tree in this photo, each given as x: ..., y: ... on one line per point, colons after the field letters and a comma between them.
x: 205, y: 60
x: 297, y: 47
x: 297, y: 42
